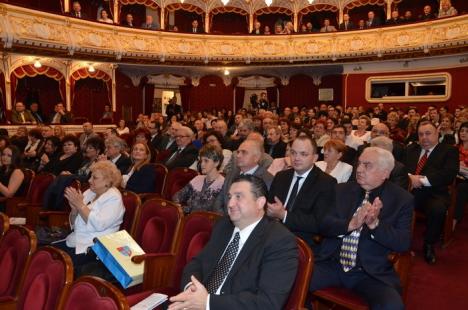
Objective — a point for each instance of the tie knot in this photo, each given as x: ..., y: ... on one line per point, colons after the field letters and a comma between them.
x: 236, y: 237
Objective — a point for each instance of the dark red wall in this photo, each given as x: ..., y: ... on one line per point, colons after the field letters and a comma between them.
x: 356, y: 85
x: 210, y: 94
x: 128, y: 95
x: 301, y: 90
x: 229, y: 23
x: 89, y: 97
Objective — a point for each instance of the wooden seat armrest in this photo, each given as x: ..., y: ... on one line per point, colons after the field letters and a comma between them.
x: 159, y: 268
x: 9, y: 304
x: 55, y: 218
x: 148, y: 196
x: 32, y: 212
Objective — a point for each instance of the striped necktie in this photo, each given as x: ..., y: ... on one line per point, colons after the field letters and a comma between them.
x: 349, y: 247
x: 421, y: 163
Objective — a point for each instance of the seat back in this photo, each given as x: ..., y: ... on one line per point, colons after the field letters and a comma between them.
x: 161, y: 175
x: 16, y: 247
x: 298, y: 295
x: 157, y: 225
x: 20, y: 196
x: 39, y: 185
x: 196, y: 232
x: 48, y: 275
x: 28, y: 178
x: 93, y: 293
x: 4, y: 224
x: 132, y: 203
x: 176, y: 180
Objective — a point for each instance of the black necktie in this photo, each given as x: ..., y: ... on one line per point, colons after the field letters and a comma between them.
x: 173, y: 156
x: 292, y: 197
x: 224, y: 265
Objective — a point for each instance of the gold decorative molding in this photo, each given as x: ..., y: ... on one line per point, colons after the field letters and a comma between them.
x: 25, y: 28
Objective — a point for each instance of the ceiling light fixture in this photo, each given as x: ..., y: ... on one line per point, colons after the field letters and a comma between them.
x: 268, y: 2
x: 310, y: 1
x: 37, y: 64
x: 91, y: 68
x: 225, y: 2
x: 226, y: 72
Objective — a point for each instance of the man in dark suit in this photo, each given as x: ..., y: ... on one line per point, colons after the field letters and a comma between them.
x: 395, y: 19
x: 301, y: 196
x: 167, y: 142
x: 128, y: 21
x: 173, y: 108
x: 427, y: 14
x: 186, y: 152
x: 76, y: 12
x: 371, y: 218
x: 36, y: 113
x: 60, y: 115
x: 195, y: 28
x: 115, y: 148
x: 433, y: 167
x: 372, y: 20
x: 346, y: 24
x: 250, y: 261
x: 257, y: 28
x: 275, y: 147
x: 247, y: 160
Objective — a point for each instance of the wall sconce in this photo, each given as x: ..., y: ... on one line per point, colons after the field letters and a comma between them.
x: 226, y: 72
x: 91, y: 68
x: 37, y: 64
x: 268, y: 2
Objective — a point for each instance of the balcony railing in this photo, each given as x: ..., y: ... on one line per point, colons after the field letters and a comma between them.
x: 26, y: 30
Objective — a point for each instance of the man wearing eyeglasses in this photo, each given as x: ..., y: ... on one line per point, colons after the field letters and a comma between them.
x: 186, y: 152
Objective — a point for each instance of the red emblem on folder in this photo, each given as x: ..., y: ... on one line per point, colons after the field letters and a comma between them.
x: 125, y: 250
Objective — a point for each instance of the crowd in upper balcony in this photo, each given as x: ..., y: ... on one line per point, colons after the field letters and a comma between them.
x: 286, y: 26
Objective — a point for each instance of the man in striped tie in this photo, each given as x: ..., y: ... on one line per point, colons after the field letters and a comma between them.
x: 372, y: 218
x: 433, y: 167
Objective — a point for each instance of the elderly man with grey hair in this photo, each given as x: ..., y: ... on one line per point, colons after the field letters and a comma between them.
x: 115, y: 152
x: 399, y: 174
x: 372, y: 218
x: 186, y: 153
x: 245, y: 127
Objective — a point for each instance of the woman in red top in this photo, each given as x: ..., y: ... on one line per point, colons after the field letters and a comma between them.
x: 462, y: 178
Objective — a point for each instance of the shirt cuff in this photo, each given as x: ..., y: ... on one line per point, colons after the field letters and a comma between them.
x: 187, y: 286
x: 285, y: 215
x: 207, y: 302
x: 425, y: 181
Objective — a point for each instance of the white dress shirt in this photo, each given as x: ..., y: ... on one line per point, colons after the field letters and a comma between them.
x: 105, y: 218
x: 301, y: 182
x: 424, y: 179
x: 341, y: 172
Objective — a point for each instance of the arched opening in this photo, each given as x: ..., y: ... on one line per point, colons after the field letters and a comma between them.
x: 226, y: 20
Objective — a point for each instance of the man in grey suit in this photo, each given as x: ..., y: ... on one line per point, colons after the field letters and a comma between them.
x: 247, y: 162
x: 150, y: 24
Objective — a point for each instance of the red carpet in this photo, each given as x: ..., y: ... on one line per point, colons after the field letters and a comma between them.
x: 445, y: 284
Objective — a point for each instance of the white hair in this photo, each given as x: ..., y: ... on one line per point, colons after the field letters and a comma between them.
x: 385, y: 159
x: 382, y: 142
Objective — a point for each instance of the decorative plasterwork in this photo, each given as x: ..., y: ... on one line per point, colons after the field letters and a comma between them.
x: 166, y: 80
x: 256, y: 82
x: 29, y: 28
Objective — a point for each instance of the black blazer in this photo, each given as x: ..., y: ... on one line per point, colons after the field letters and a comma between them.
x: 279, y: 149
x: 313, y: 201
x: 262, y: 274
x: 375, y: 23
x: 440, y: 169
x: 393, y: 234
x: 123, y: 163
x: 351, y: 26
x: 142, y: 181
x: 184, y: 159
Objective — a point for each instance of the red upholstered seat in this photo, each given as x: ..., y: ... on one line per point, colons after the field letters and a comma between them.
x: 298, y: 295
x: 163, y: 271
x: 49, y: 273
x: 4, y: 224
x: 23, y: 196
x: 16, y: 247
x: 92, y: 293
x: 33, y: 202
x: 342, y: 296
x: 161, y: 175
x: 132, y: 203
x: 157, y: 225
x: 176, y: 180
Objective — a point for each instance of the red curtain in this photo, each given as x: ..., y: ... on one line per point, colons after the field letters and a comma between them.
x: 300, y: 91
x: 149, y: 3
x: 90, y: 96
x: 31, y: 71
x: 240, y: 93
x: 43, y: 5
x: 40, y: 89
x: 185, y: 96
x: 211, y: 94
x: 129, y: 97
x: 230, y: 23
x: 272, y: 94
x: 2, y: 98
x: 149, y: 97
x: 183, y: 19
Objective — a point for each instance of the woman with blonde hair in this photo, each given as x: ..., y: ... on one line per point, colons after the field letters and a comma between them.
x: 141, y: 177
x: 446, y: 9
x: 97, y: 212
x: 333, y: 150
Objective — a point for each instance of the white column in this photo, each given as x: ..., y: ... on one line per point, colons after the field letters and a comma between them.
x: 66, y: 6
x: 207, y: 22
x: 68, y: 85
x: 389, y: 9
x: 251, y: 22
x: 116, y: 12
x: 162, y: 20
x: 296, y: 22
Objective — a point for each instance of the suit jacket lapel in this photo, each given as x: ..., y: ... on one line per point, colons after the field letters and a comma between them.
x: 354, y: 201
x: 286, y: 182
x: 254, y: 238
x: 307, y: 185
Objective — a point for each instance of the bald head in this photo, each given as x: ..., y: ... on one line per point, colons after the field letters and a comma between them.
x: 380, y: 130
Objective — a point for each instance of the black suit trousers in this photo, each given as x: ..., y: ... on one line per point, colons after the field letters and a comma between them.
x: 434, y: 207
x: 377, y: 294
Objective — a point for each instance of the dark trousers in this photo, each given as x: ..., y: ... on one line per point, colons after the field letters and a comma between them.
x: 79, y: 260
x: 462, y: 199
x: 434, y: 207
x: 379, y: 295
